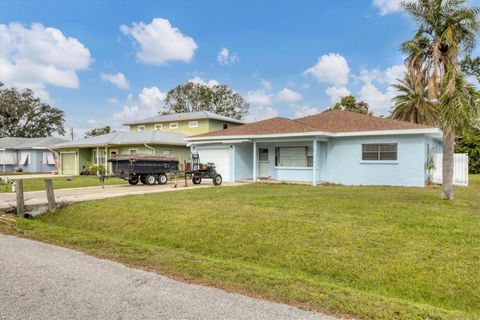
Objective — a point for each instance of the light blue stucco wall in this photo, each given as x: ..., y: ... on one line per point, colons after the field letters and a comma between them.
x: 243, y: 161
x: 345, y: 165
x: 339, y: 160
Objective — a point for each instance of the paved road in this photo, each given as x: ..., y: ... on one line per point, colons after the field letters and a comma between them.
x: 35, y: 198
x: 40, y: 281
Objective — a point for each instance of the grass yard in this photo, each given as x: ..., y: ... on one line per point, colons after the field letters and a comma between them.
x: 369, y: 252
x: 62, y: 183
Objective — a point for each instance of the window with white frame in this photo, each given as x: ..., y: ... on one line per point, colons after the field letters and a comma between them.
x: 133, y: 152
x: 141, y: 128
x: 193, y: 124
x: 158, y: 126
x: 379, y: 151
x: 48, y: 158
x: 102, y: 157
x: 294, y: 157
x: 174, y: 125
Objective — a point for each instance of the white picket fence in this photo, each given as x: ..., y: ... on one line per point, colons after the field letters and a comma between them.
x: 460, y: 169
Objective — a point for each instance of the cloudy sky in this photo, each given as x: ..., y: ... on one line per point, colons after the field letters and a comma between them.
x: 106, y: 62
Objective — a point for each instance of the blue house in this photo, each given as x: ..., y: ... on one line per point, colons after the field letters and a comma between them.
x: 29, y: 154
x: 336, y: 147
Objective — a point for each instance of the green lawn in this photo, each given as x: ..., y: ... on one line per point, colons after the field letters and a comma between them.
x: 370, y: 252
x: 62, y: 183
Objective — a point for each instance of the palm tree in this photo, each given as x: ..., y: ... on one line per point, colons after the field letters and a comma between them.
x: 412, y: 103
x: 446, y: 29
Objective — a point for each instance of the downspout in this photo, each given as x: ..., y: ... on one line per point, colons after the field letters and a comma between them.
x: 152, y: 148
x: 4, y: 159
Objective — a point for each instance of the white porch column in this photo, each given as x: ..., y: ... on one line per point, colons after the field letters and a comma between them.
x: 315, y: 156
x: 106, y: 160
x: 254, y: 161
x: 98, y: 156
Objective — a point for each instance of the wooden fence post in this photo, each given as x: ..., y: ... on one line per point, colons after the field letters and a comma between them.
x: 20, y: 199
x: 50, y: 195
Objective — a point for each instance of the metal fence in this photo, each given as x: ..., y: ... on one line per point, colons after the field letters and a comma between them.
x: 460, y: 169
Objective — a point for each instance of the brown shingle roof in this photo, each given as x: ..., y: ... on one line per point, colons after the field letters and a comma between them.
x: 269, y: 126
x: 332, y: 121
x: 344, y: 121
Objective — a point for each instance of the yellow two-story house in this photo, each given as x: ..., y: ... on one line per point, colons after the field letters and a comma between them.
x: 161, y: 135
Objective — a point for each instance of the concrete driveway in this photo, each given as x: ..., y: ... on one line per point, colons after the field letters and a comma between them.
x: 41, y: 281
x: 36, y: 198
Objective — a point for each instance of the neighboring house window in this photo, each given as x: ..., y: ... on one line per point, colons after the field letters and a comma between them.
x: 293, y: 157
x: 174, y: 125
x: 48, y: 158
x: 8, y: 157
x: 133, y: 151
x: 141, y: 128
x: 24, y: 157
x: 379, y: 151
x: 102, y: 157
x: 225, y: 126
x: 158, y: 126
x: 193, y: 124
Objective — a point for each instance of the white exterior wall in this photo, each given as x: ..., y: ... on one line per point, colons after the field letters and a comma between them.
x: 345, y: 165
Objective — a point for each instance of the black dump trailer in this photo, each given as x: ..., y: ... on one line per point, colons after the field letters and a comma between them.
x: 156, y: 169
x: 147, y: 169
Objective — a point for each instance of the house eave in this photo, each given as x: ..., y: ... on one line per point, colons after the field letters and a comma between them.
x: 434, y: 131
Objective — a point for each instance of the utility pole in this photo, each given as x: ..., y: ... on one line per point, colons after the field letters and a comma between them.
x: 71, y: 133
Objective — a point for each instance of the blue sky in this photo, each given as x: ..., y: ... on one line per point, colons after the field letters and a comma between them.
x: 106, y: 62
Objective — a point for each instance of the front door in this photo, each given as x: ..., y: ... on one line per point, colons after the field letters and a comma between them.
x: 264, y: 163
x: 113, y: 154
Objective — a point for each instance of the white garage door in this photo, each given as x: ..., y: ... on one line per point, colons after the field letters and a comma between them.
x: 221, y: 158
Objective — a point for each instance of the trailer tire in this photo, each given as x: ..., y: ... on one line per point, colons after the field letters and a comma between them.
x: 217, y: 180
x: 196, y: 180
x: 143, y: 179
x: 162, y: 178
x: 133, y: 181
x: 150, y: 179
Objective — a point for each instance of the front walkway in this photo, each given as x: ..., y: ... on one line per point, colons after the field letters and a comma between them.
x: 41, y: 281
x: 39, y: 198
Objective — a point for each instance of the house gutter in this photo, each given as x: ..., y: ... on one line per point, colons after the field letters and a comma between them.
x: 152, y: 148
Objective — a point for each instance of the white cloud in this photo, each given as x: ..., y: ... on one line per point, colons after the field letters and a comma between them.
x: 160, y: 42
x: 335, y: 93
x: 112, y: 100
x: 303, y: 111
x: 378, y: 102
x: 117, y: 79
x: 36, y: 56
x: 258, y: 113
x: 146, y: 104
x: 389, y: 6
x: 287, y: 95
x: 259, y: 98
x: 210, y: 83
x: 394, y: 73
x: 152, y: 98
x: 331, y: 68
x: 224, y: 57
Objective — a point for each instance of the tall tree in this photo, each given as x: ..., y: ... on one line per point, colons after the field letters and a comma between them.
x: 22, y: 114
x: 447, y: 29
x: 218, y: 99
x: 97, y: 132
x: 350, y: 103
